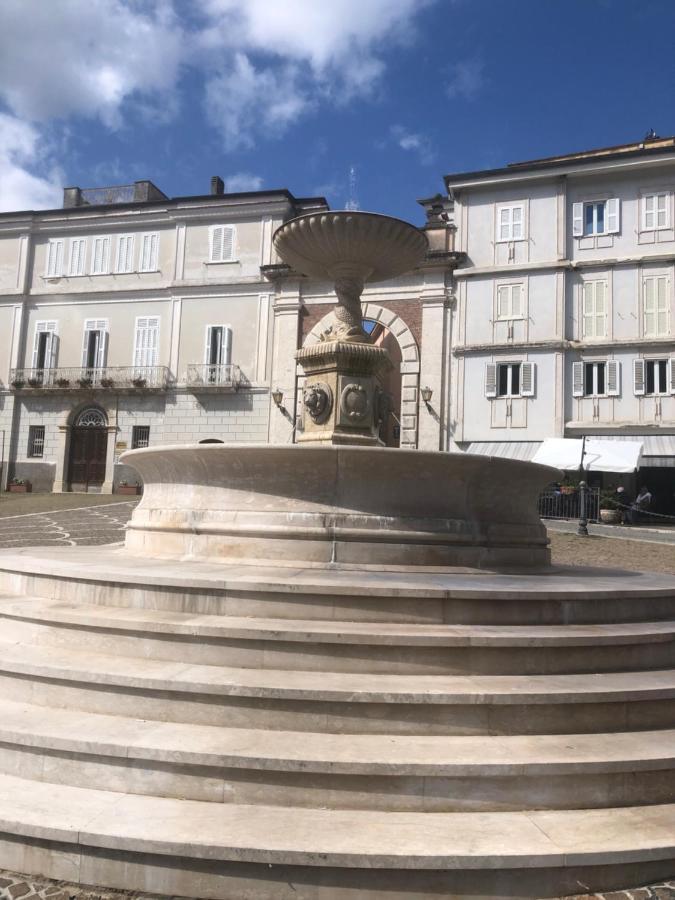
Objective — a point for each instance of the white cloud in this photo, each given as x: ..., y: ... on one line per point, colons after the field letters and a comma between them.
x: 19, y: 148
x: 467, y: 79
x: 414, y: 142
x: 242, y: 181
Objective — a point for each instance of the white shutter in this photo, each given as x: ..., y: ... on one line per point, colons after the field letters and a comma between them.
x: 671, y: 362
x: 228, y: 243
x: 613, y: 216
x: 100, y: 256
x: 51, y: 350
x: 516, y: 301
x: 147, y: 341
x: 527, y: 379
x: 149, y: 252
x: 36, y: 348
x: 649, y: 299
x: 588, y: 309
x: 503, y: 298
x: 222, y: 243
x: 226, y: 346
x: 662, y: 217
x: 125, y: 253
x: 207, y: 345
x: 78, y: 252
x: 54, y: 266
x: 649, y: 212
x: 662, y: 305
x: 102, y: 350
x: 613, y: 376
x: 491, y: 380
x: 600, y: 309
x: 638, y: 377
x: 517, y: 223
x: 577, y: 219
x: 85, y: 347
x: 577, y: 379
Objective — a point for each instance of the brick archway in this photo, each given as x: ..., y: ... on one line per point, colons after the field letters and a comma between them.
x: 410, y: 365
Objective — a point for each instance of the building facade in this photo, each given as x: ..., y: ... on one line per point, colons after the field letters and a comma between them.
x: 132, y: 319
x: 565, y: 304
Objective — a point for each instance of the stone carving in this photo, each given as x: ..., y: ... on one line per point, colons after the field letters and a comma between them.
x: 355, y: 403
x: 318, y: 400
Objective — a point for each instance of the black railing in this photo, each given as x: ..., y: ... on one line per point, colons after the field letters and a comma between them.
x: 566, y: 504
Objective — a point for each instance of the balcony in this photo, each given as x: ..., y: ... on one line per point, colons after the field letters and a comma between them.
x: 124, y: 378
x: 213, y: 378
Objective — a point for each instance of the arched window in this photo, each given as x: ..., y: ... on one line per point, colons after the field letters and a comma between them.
x: 91, y: 418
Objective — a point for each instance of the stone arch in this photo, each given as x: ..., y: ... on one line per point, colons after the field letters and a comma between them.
x: 69, y: 421
x: 410, y: 365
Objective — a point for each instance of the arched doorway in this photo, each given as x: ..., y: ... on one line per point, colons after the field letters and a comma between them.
x: 381, y: 336
x: 88, y: 450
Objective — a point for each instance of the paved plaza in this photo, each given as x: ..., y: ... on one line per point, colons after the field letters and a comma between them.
x: 68, y: 521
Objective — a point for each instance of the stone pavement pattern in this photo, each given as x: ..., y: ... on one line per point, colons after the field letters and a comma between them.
x: 80, y: 526
x: 23, y: 887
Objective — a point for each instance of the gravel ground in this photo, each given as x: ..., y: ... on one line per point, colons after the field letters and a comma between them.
x: 571, y: 549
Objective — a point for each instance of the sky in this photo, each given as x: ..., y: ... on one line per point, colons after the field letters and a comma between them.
x: 295, y: 93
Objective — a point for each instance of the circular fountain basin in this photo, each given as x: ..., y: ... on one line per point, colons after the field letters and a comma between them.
x: 347, y: 506
x: 331, y: 244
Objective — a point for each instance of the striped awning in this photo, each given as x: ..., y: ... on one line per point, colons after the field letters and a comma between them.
x: 506, y: 449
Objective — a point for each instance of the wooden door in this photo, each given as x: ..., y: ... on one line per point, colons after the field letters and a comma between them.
x: 88, y: 450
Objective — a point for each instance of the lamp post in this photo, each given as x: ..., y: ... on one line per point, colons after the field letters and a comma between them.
x: 583, y: 488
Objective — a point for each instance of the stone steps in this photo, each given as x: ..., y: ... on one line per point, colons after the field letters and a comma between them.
x: 108, y: 828
x: 458, y: 773
x: 313, y: 645
x: 337, y: 701
x: 563, y: 596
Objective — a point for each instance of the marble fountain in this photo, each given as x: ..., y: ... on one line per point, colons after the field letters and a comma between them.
x: 333, y: 671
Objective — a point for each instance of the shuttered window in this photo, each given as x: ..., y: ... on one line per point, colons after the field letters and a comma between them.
x: 510, y: 223
x: 596, y: 217
x: 221, y: 241
x: 95, y: 344
x: 510, y: 301
x: 509, y: 379
x: 54, y: 261
x: 596, y: 379
x: 45, y: 345
x: 100, y: 256
x: 149, y: 252
x: 146, y: 348
x: 124, y: 258
x: 594, y: 309
x: 77, y: 256
x: 656, y: 305
x: 655, y: 211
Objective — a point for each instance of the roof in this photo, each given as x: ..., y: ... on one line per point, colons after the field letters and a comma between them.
x: 648, y: 147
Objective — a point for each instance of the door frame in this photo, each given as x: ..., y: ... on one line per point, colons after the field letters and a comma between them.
x: 61, y: 484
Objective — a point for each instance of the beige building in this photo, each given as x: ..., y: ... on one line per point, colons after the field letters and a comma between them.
x: 133, y: 319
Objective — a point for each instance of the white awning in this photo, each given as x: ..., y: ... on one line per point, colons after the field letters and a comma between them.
x: 506, y: 449
x: 652, y: 444
x: 599, y: 456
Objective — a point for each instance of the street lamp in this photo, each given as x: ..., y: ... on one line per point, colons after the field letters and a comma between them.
x: 278, y: 397
x: 583, y: 488
x: 427, y: 394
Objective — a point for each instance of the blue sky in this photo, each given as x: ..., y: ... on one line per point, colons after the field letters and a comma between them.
x: 292, y: 93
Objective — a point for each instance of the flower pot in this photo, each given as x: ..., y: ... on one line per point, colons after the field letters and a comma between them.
x: 19, y: 488
x: 567, y: 489
x: 610, y: 516
x: 133, y: 489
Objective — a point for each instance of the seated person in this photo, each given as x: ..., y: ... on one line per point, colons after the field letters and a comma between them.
x: 639, y: 507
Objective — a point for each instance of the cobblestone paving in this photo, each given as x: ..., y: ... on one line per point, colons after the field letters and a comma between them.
x: 87, y: 526
x: 24, y: 887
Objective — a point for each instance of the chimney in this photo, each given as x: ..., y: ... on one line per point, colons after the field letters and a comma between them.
x: 72, y: 196
x: 217, y: 186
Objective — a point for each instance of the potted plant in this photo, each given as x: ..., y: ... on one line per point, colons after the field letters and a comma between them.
x: 19, y: 486
x: 84, y: 382
x: 139, y: 382
x: 569, y: 485
x: 18, y: 383
x: 124, y: 487
x: 107, y: 383
x: 610, y: 508
x: 63, y: 382
x: 34, y: 382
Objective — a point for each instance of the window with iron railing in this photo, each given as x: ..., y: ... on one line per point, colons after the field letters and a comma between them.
x: 36, y: 440
x: 140, y: 437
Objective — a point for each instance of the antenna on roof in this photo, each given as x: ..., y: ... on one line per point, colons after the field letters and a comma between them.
x: 352, y: 203
x: 651, y: 135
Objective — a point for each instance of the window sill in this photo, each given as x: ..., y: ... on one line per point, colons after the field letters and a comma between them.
x: 224, y: 262
x: 519, y: 240
x: 143, y: 272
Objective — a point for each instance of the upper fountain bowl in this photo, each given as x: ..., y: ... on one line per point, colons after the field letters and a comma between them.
x: 330, y: 245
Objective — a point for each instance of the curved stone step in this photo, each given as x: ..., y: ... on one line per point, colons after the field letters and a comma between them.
x: 560, y: 596
x: 281, y: 845
x: 338, y: 771
x: 283, y: 699
x: 340, y: 646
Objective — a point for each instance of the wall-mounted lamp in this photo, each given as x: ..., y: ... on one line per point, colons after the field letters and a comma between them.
x: 278, y: 397
x: 427, y: 394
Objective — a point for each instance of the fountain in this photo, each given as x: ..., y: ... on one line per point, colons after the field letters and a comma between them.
x: 335, y: 671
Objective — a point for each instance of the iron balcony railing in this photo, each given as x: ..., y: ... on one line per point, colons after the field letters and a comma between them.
x: 225, y: 377
x: 566, y: 504
x: 61, y: 379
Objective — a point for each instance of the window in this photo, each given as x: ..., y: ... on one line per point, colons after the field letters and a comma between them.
x: 217, y: 352
x: 78, y: 253
x: 596, y: 217
x: 45, y: 346
x: 95, y: 344
x: 650, y: 377
x: 594, y: 309
x: 221, y: 243
x: 140, y: 437
x: 146, y: 348
x: 36, y: 440
x: 124, y: 260
x: 509, y: 379
x: 656, y: 306
x: 100, y: 256
x: 54, y: 263
x: 596, y: 379
x: 510, y: 223
x: 655, y: 212
x: 149, y: 252
x: 510, y: 301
